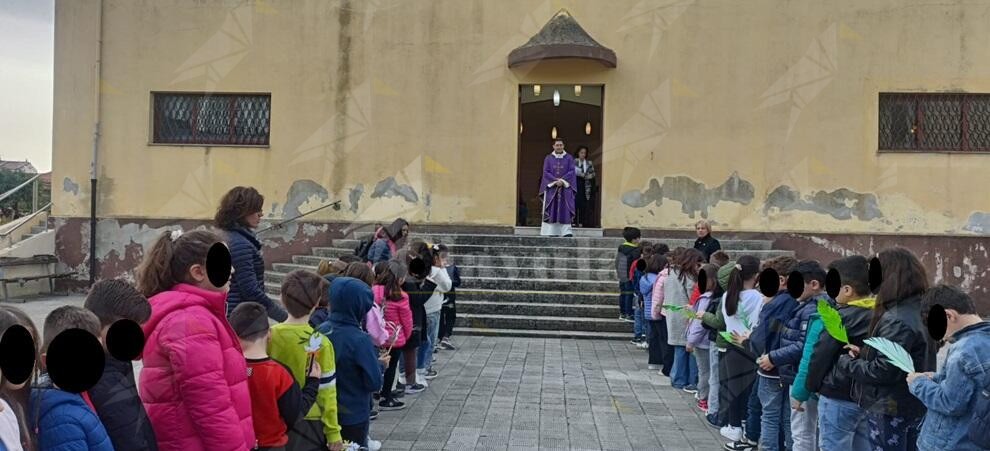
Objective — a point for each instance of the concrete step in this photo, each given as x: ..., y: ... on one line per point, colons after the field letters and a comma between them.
x: 477, y: 321
x: 331, y: 252
x: 568, y: 286
x: 37, y: 229
x: 536, y: 309
x: 585, y: 232
x: 541, y: 297
x: 534, y: 273
x: 534, y: 262
x: 578, y: 334
x: 541, y: 241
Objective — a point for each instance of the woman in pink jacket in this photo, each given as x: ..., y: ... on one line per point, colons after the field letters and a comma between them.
x: 398, y: 315
x: 194, y: 381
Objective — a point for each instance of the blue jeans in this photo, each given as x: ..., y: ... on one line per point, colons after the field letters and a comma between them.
x: 639, y: 320
x: 425, y: 356
x: 685, y: 371
x: 753, y: 413
x: 837, y: 425
x: 776, y: 419
x: 626, y: 295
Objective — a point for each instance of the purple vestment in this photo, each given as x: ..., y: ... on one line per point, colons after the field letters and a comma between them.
x: 558, y: 200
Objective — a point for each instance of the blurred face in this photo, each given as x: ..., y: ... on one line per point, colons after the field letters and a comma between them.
x: 583, y: 154
x: 405, y: 230
x: 558, y: 147
x: 702, y: 230
x: 810, y: 289
x: 254, y: 219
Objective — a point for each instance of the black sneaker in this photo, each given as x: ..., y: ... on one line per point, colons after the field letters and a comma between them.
x: 391, y: 405
x: 446, y: 344
x: 431, y: 374
x: 373, y: 416
x: 414, y: 389
x: 742, y: 445
x: 399, y: 393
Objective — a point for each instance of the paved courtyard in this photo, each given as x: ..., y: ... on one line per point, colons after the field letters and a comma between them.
x: 532, y: 394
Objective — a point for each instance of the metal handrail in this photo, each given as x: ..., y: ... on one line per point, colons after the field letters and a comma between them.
x: 18, y: 187
x: 26, y: 219
x: 279, y: 225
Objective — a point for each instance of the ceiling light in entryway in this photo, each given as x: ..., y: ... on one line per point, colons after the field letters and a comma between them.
x: 587, y: 128
x: 536, y: 90
x: 577, y: 90
x: 553, y: 133
x: 556, y: 97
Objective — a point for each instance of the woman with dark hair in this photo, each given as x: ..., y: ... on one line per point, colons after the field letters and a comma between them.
x: 706, y: 243
x: 14, y: 431
x: 585, y: 171
x: 677, y: 290
x: 388, y: 241
x: 893, y: 414
x: 239, y: 214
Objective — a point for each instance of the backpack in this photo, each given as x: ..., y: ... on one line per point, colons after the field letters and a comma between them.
x: 979, y: 427
x: 713, y: 307
x: 361, y: 251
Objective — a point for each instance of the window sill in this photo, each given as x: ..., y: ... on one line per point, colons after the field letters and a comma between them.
x: 944, y: 152
x: 251, y: 146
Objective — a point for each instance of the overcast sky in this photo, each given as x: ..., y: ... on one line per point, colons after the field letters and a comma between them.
x: 26, y: 53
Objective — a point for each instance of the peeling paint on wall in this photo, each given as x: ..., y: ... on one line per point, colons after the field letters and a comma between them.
x: 390, y: 188
x: 300, y: 193
x: 979, y: 222
x: 69, y: 186
x: 355, y: 196
x: 693, y: 195
x: 839, y: 204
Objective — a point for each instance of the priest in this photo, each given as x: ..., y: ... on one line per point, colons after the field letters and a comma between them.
x: 558, y: 188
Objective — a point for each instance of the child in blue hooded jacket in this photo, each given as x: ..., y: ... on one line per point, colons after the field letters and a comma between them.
x: 359, y: 374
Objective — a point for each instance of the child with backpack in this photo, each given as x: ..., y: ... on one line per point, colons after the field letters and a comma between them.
x: 958, y: 395
x: 395, y: 305
x: 838, y: 413
x: 697, y: 336
x: 677, y: 292
x: 627, y: 253
x: 636, y: 272
x: 655, y: 265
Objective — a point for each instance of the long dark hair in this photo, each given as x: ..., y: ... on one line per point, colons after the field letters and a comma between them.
x: 711, y: 277
x: 394, y: 230
x: 390, y: 276
x: 655, y: 264
x: 687, y: 263
x: 747, y: 267
x: 360, y: 271
x: 18, y: 398
x: 238, y: 203
x: 903, y: 278
x: 168, y: 262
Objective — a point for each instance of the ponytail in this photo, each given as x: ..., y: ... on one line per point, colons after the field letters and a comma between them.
x: 168, y: 262
x: 745, y: 269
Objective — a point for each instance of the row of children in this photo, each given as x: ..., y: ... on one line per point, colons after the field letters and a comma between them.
x: 215, y: 383
x: 775, y: 370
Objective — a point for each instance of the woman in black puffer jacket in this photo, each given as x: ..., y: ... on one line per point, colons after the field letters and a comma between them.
x: 893, y: 414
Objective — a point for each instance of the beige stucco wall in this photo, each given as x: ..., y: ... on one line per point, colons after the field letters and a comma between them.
x: 778, y: 92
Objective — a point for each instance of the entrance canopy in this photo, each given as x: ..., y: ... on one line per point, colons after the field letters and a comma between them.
x: 562, y: 38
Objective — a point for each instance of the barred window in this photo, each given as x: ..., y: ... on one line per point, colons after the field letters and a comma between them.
x: 935, y: 122
x: 212, y: 119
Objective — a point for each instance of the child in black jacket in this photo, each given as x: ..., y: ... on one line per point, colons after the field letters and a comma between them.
x: 448, y: 316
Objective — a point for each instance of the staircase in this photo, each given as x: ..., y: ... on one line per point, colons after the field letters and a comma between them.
x: 532, y: 286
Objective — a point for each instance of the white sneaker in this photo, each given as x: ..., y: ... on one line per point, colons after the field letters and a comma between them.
x: 402, y: 379
x: 731, y: 433
x: 653, y: 367
x: 374, y: 445
x: 643, y: 345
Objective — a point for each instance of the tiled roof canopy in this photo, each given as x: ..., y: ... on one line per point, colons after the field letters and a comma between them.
x: 562, y: 37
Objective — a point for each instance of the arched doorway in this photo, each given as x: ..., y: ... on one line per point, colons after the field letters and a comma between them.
x: 575, y: 113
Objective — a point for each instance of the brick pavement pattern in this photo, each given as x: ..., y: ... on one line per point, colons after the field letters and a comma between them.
x: 513, y: 393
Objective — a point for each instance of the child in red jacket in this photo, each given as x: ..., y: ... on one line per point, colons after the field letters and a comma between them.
x: 398, y: 319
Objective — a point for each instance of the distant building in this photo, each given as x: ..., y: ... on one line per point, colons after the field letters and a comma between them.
x: 18, y: 166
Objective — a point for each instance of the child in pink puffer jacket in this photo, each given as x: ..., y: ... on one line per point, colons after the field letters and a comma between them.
x: 194, y: 382
x: 398, y: 318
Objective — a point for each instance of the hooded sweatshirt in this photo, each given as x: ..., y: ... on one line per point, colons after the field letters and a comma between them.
x: 359, y: 374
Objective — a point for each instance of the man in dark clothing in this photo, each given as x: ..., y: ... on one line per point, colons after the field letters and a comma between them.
x: 628, y: 252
